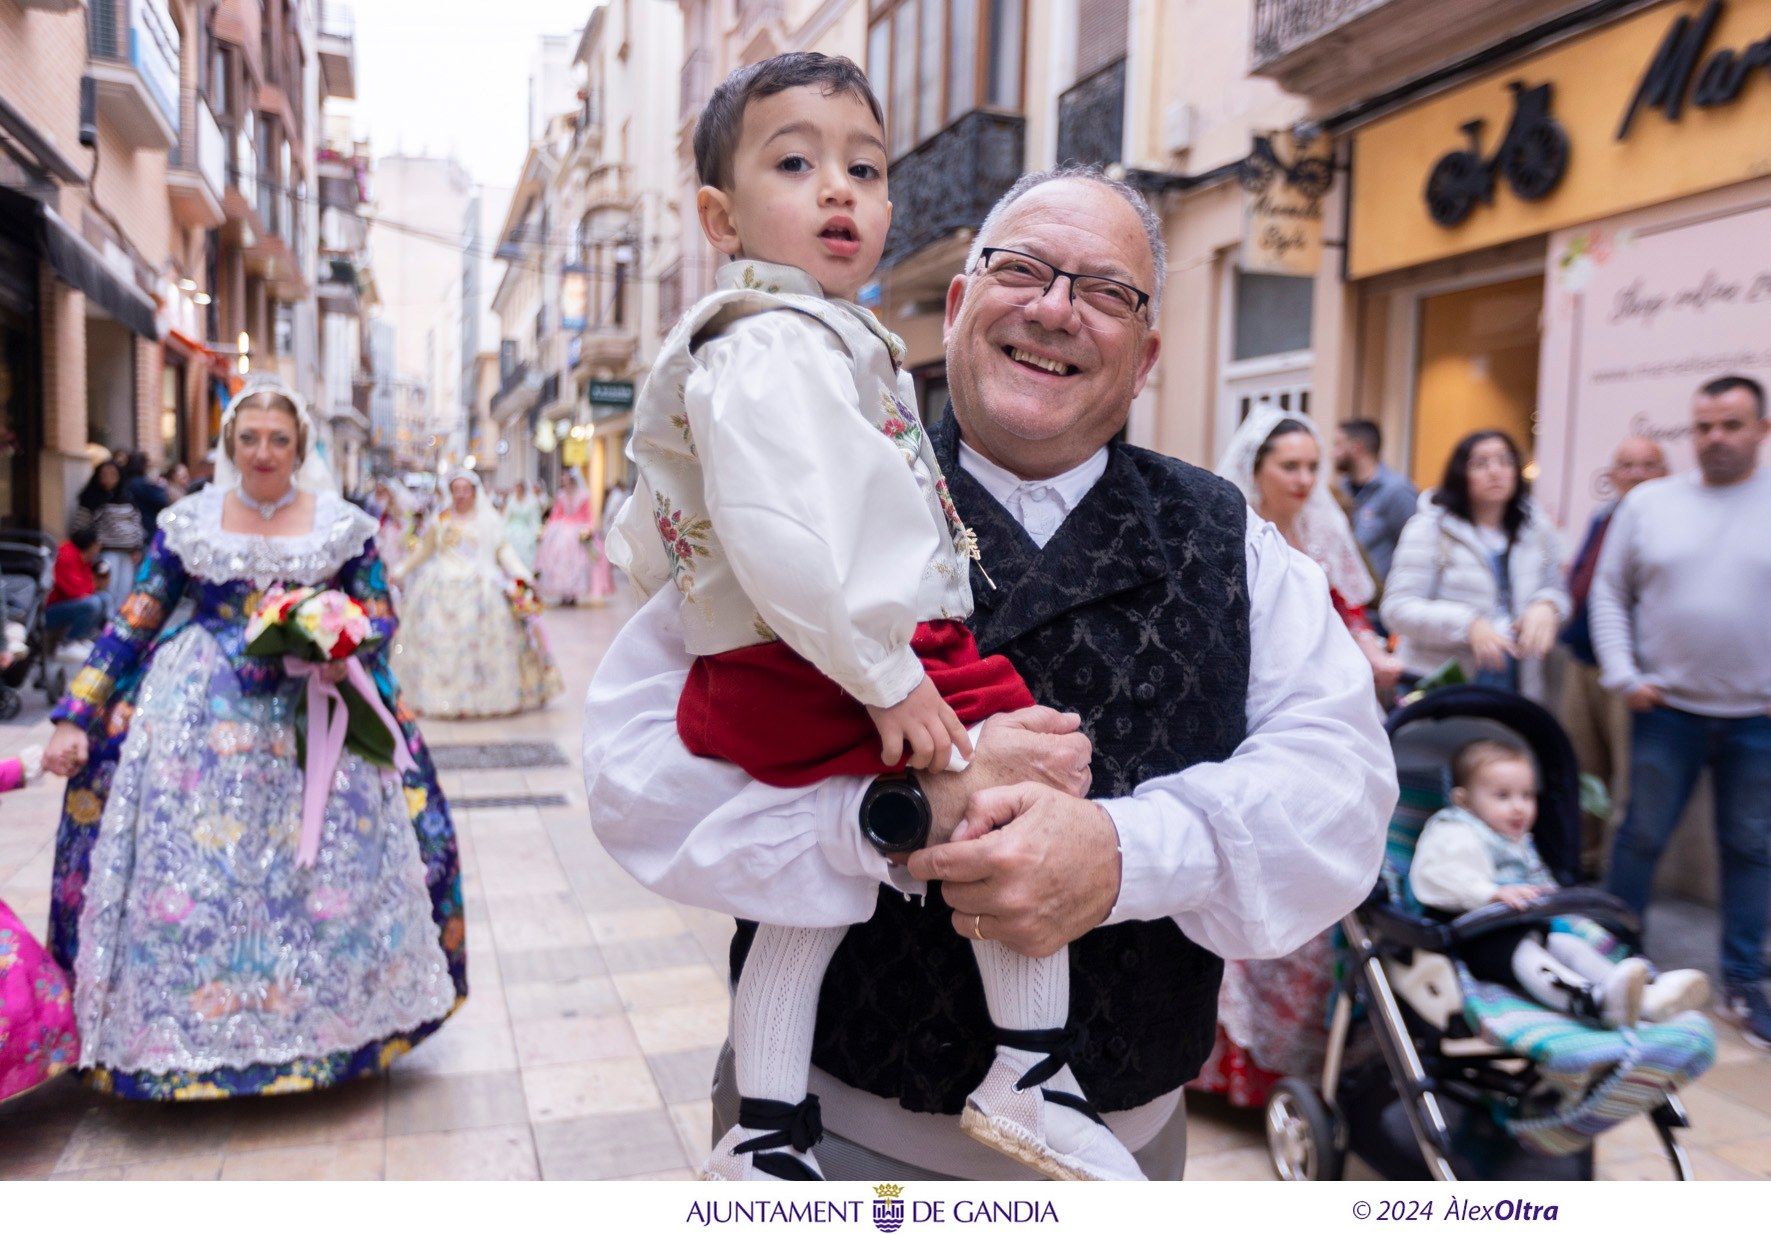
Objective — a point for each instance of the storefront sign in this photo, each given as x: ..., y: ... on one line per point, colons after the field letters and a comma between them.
x: 1282, y: 211
x: 574, y: 297
x: 1640, y: 312
x: 611, y: 394
x: 1672, y: 102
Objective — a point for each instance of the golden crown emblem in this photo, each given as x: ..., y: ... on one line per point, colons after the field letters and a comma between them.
x: 888, y: 1192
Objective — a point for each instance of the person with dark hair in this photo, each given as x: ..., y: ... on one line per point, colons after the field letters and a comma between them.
x: 1678, y: 619
x: 1381, y: 500
x: 77, y: 609
x: 1477, y: 576
x: 148, y: 494
x: 104, y: 506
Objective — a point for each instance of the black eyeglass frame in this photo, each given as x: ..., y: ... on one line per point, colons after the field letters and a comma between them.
x: 983, y: 266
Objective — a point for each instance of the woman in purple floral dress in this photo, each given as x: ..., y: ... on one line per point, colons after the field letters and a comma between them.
x: 208, y: 960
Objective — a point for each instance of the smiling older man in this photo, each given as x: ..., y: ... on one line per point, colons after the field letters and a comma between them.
x: 1241, y: 779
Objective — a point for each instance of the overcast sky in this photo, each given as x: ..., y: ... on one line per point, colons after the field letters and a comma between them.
x: 451, y: 76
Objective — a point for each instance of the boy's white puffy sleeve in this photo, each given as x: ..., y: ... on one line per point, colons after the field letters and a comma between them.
x: 816, y: 509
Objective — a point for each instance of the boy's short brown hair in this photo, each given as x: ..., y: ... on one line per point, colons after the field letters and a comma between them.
x: 1468, y: 763
x: 716, y: 132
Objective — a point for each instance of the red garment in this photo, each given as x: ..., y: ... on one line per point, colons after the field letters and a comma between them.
x: 73, y: 575
x: 1353, y: 617
x: 768, y: 709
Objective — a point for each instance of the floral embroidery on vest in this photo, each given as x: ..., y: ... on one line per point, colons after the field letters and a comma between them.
x: 685, y: 538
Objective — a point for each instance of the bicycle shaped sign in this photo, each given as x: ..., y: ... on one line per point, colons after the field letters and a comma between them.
x: 1532, y: 156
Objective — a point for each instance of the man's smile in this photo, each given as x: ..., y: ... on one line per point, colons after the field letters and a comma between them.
x: 1043, y: 364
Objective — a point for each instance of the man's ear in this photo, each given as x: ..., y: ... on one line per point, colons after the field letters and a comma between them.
x: 1147, y: 362
x: 955, y: 298
x: 714, y: 207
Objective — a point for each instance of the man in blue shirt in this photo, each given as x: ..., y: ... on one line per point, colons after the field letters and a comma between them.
x: 1381, y: 500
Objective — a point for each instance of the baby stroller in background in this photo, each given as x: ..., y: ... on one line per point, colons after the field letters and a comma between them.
x: 27, y: 576
x: 1470, y: 1080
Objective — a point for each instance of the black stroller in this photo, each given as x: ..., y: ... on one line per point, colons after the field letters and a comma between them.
x: 1433, y: 1075
x: 27, y: 576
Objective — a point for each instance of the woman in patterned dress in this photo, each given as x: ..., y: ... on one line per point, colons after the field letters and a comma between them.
x: 565, y: 562
x: 208, y: 960
x: 462, y: 651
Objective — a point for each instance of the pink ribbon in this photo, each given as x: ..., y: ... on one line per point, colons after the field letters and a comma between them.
x: 327, y: 722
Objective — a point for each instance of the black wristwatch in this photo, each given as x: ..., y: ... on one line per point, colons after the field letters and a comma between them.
x: 895, y: 814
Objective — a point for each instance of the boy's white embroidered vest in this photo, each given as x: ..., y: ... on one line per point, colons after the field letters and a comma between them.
x: 670, y: 493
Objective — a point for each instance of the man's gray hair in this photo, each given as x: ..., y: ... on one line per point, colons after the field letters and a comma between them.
x: 1093, y: 175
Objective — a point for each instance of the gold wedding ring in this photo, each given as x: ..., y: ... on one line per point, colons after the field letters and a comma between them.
x: 978, y: 927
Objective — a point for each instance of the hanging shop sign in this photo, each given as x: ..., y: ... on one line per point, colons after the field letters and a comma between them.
x: 1666, y: 104
x: 1284, y: 180
x: 574, y: 297
x: 611, y: 394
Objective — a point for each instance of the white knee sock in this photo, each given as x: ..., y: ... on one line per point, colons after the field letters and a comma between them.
x: 1580, y: 956
x: 776, y: 1007
x: 1023, y: 992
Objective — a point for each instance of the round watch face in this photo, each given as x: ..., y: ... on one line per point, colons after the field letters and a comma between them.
x: 896, y: 821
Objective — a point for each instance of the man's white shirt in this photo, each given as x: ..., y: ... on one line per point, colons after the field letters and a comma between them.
x: 1251, y: 857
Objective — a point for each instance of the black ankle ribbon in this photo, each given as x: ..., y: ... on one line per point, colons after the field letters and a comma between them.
x: 784, y: 1125
x: 1060, y: 1048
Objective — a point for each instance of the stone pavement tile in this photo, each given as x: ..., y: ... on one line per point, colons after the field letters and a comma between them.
x: 661, y: 921
x: 684, y: 1076
x: 636, y: 955
x: 601, y: 1087
x: 606, y: 890
x: 609, y: 1146
x: 1657, y: 1167
x: 422, y: 1103
x: 199, y: 1166
x: 1747, y: 1082
x: 694, y: 1127
x: 335, y: 1161
x: 1753, y: 1154
x: 1633, y: 1138
x: 479, y: 1153
x: 354, y: 1111
x: 524, y: 965
x: 1715, y: 1118
x: 1249, y: 1163
x: 120, y: 1133
x: 688, y: 1025
x: 661, y: 1175
x: 1213, y: 1126
x: 574, y: 1039
x: 35, y: 1127
x: 540, y: 930
x: 460, y: 1048
x: 530, y: 1001
x: 666, y: 988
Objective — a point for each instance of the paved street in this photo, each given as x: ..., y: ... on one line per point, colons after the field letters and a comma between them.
x: 596, y: 1010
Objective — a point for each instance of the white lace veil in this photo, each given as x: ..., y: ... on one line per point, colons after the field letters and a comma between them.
x: 313, y: 475
x: 1322, y: 529
x: 485, y: 515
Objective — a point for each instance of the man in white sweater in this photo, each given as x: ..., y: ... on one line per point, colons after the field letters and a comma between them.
x: 1679, y: 622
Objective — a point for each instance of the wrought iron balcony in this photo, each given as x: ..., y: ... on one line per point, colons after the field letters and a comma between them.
x: 952, y: 179
x: 1283, y: 26
x: 1091, y: 118
x: 134, y: 49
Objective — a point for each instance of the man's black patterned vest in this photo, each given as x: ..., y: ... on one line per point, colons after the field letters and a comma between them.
x: 1134, y: 615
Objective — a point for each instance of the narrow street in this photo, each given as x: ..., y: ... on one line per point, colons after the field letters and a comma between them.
x: 597, y: 1009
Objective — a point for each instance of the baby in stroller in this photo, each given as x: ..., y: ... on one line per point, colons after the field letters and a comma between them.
x: 1479, y: 851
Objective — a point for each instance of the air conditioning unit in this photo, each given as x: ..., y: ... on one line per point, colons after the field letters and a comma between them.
x: 1179, y: 125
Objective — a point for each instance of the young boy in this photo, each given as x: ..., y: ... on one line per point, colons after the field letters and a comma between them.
x: 788, y: 491
x: 1478, y: 851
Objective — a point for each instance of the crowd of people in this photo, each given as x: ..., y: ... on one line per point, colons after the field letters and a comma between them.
x: 1633, y: 643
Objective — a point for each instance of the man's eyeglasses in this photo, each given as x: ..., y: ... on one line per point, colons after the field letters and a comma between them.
x: 1017, y: 271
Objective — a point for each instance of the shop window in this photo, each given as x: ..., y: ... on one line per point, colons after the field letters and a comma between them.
x: 1102, y: 27
x: 1267, y: 356
x: 1272, y: 314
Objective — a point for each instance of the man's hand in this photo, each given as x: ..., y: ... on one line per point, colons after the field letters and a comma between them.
x: 1044, y: 870
x: 1645, y: 698
x: 924, y: 722
x: 1033, y: 744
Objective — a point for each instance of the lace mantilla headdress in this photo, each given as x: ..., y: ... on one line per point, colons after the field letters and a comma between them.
x: 314, y: 474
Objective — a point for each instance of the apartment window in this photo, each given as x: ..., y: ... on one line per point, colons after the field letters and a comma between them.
x: 932, y: 61
x: 1102, y: 27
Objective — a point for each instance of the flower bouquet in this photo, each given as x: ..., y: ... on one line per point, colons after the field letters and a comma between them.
x: 524, y: 603
x: 311, y: 627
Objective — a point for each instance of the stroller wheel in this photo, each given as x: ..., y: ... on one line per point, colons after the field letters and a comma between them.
x: 1301, y: 1134
x: 11, y: 703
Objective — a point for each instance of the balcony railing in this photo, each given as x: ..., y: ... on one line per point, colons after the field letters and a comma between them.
x: 1283, y: 26
x: 696, y: 85
x: 196, y: 168
x: 952, y: 180
x: 134, y: 49
x: 338, y: 20
x: 609, y: 186
x: 1091, y: 118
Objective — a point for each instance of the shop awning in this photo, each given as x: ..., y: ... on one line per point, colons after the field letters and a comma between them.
x: 80, y: 266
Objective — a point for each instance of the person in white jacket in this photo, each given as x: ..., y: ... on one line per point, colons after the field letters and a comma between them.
x: 1477, y: 575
